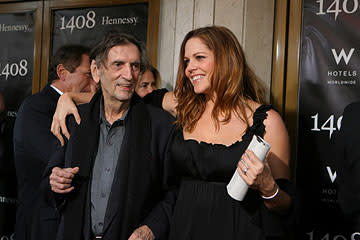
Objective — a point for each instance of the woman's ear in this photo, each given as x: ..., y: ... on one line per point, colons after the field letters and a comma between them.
x: 95, y: 71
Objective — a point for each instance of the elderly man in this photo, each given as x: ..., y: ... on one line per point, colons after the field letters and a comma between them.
x: 34, y: 143
x: 111, y: 185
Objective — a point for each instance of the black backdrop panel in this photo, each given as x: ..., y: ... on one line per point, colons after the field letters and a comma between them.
x: 16, y: 57
x: 87, y: 25
x: 329, y: 80
x: 16, y: 71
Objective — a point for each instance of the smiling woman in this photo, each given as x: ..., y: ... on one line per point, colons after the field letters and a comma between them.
x: 215, y: 62
x: 199, y: 62
x: 219, y: 107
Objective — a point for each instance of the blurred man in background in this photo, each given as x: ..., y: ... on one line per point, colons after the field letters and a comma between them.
x: 34, y: 143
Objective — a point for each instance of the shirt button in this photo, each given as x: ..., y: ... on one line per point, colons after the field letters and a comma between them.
x: 103, y: 195
x: 107, y: 169
x: 100, y: 224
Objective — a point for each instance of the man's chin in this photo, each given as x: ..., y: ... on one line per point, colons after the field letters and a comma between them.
x: 123, y: 97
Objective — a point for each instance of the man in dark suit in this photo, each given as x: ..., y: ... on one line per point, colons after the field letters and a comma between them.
x: 34, y: 143
x: 347, y: 161
x: 111, y: 185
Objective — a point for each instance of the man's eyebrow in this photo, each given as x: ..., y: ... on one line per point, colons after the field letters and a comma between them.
x: 118, y: 62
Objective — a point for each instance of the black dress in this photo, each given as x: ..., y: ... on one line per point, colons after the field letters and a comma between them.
x: 203, y: 209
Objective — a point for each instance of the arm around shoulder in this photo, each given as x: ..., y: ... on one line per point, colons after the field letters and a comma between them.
x: 169, y: 103
x: 164, y: 99
x: 80, y: 97
x: 66, y: 106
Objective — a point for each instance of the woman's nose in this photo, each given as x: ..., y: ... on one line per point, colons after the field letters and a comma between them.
x: 191, y: 66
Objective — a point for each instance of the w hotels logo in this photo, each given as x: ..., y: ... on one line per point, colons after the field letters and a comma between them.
x: 347, y: 75
x: 342, y: 55
x: 332, y: 174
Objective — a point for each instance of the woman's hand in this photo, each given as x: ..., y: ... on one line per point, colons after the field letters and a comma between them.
x: 65, y: 106
x: 169, y: 103
x: 256, y: 174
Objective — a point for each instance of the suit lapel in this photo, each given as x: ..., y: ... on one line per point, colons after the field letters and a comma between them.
x: 87, y: 137
x: 127, y: 180
x: 81, y: 153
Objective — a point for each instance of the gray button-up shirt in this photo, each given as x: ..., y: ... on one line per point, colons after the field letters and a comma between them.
x: 110, y: 141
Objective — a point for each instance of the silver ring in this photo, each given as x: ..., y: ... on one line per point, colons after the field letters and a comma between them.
x: 245, y: 170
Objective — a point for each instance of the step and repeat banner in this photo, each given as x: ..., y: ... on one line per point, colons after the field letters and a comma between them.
x: 329, y: 81
x: 87, y: 25
x: 85, y: 22
x: 16, y: 71
x: 16, y: 57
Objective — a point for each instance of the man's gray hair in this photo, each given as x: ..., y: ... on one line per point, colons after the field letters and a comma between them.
x: 100, y: 51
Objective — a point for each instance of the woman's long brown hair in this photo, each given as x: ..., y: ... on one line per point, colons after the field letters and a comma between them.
x: 232, y: 81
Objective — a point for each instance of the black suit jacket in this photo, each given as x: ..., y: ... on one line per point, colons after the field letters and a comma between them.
x: 138, y: 194
x: 33, y: 146
x: 347, y: 159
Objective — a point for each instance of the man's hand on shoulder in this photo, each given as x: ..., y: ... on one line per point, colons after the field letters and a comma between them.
x: 142, y: 233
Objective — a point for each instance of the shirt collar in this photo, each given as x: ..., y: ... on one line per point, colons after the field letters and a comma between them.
x: 56, y: 89
x: 102, y: 115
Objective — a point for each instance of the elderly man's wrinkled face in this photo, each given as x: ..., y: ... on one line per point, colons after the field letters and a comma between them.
x: 118, y: 75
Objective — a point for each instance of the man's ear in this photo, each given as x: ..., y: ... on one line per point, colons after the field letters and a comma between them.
x: 61, y: 71
x: 95, y: 71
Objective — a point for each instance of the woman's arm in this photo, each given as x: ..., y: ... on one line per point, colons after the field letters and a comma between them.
x: 164, y: 99
x: 80, y: 97
x: 66, y: 106
x: 169, y: 103
x: 278, y: 161
x: 262, y: 176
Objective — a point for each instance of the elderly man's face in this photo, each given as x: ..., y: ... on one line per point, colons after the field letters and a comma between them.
x: 118, y: 75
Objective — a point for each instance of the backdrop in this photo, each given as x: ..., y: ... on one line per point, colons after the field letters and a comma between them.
x: 16, y: 64
x: 329, y: 80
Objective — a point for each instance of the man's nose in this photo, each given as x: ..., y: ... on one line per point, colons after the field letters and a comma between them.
x: 127, y: 72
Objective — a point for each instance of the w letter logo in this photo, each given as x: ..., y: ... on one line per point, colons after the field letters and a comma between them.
x: 343, y: 55
x: 332, y: 175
